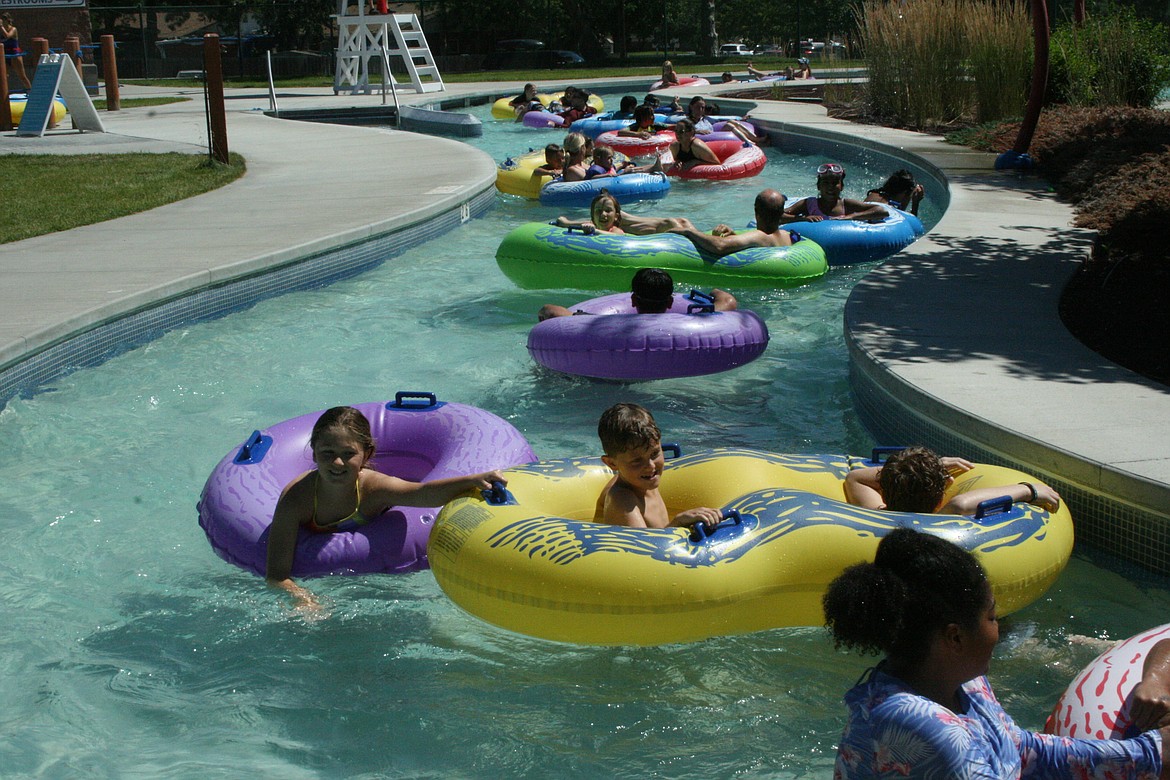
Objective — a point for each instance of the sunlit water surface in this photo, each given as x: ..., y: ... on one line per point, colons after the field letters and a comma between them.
x: 130, y: 650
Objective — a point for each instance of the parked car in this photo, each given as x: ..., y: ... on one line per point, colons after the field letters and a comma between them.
x: 540, y: 59
x: 821, y: 49
x: 770, y: 50
x: 734, y: 50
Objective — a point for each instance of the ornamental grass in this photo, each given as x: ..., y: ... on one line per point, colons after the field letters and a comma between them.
x: 946, y: 62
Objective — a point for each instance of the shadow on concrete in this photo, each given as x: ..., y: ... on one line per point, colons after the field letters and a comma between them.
x: 995, y: 299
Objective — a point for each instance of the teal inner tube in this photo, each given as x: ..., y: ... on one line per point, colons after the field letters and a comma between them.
x: 540, y: 256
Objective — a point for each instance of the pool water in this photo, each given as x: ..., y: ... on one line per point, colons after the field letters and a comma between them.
x: 132, y: 651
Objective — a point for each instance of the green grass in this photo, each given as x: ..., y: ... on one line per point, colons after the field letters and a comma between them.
x: 651, y: 72
x: 59, y: 192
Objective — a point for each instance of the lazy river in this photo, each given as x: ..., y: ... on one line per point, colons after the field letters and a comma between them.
x: 131, y: 650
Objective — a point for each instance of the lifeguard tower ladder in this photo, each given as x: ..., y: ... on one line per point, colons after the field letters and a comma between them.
x: 362, y: 36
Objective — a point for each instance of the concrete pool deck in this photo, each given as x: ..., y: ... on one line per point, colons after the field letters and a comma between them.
x: 956, y: 342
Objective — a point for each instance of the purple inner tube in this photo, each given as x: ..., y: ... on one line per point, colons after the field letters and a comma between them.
x: 418, y: 443
x: 542, y: 120
x: 619, y: 343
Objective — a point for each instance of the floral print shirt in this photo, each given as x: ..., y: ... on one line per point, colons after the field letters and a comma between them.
x: 896, y: 733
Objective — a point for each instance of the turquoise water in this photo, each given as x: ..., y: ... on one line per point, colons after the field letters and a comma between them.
x: 132, y: 651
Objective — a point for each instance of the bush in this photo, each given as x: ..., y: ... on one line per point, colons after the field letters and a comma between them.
x: 1115, y: 59
x: 932, y: 64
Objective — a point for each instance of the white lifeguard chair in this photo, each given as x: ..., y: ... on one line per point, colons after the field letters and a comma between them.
x: 362, y: 36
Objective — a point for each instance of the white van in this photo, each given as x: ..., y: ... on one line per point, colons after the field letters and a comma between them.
x: 734, y: 50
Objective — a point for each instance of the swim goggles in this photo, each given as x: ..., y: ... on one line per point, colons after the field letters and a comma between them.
x: 830, y: 168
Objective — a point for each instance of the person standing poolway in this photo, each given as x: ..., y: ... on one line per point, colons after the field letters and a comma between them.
x: 927, y: 709
x: 12, y: 51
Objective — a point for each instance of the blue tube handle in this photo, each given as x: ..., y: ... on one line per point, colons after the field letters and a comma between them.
x: 993, y: 506
x: 674, y: 450
x: 497, y: 494
x: 702, y: 302
x: 402, y: 395
x: 879, y: 452
x: 254, y: 449
x: 586, y: 230
x: 699, y: 531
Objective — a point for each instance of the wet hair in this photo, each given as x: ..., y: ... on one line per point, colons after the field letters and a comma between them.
x: 726, y: 77
x: 694, y: 102
x: 574, y: 143
x: 913, y: 480
x: 901, y: 181
x: 603, y: 196
x: 684, y: 124
x: 551, y: 150
x: 653, y: 290
x: 651, y: 100
x: 348, y: 420
x: 769, y: 207
x: 643, y: 112
x: 604, y: 151
x: 624, y: 427
x: 628, y: 104
x: 916, y: 586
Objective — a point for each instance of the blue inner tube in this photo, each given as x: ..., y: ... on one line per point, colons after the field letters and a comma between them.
x: 593, y: 126
x: 849, y: 241
x: 630, y: 187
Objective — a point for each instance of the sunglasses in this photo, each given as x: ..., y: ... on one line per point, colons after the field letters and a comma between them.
x: 829, y: 168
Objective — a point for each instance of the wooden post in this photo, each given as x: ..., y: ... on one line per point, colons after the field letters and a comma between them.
x: 110, y: 68
x: 1039, y: 77
x: 213, y: 81
x: 5, y: 106
x: 73, y: 49
x: 1017, y: 156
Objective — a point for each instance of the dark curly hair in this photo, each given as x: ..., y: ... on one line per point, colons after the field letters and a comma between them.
x: 913, y: 480
x: 916, y: 586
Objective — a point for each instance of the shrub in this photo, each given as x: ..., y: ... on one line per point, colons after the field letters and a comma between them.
x: 937, y: 63
x: 1115, y: 59
x: 999, y: 37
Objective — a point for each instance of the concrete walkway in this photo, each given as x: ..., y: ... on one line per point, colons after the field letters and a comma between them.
x: 955, y: 343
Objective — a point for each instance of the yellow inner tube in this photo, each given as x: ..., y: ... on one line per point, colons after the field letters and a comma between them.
x: 515, y: 175
x: 17, y: 107
x: 501, y: 109
x: 540, y: 567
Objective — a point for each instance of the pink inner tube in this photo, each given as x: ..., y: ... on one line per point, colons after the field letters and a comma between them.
x: 415, y: 441
x: 632, y: 146
x: 619, y: 343
x: 739, y: 162
x: 1096, y: 703
x: 542, y: 120
x: 683, y: 81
